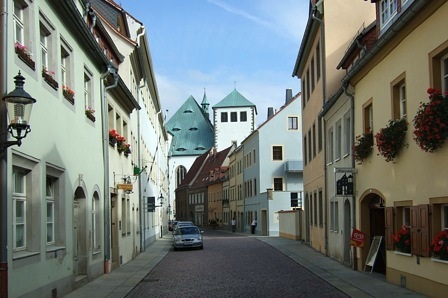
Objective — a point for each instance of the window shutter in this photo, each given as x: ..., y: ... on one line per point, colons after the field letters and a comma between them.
x: 389, y: 227
x: 420, y: 230
x: 424, y: 227
x: 415, y: 247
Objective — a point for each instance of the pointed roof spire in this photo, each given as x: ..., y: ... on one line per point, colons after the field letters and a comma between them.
x: 205, y: 104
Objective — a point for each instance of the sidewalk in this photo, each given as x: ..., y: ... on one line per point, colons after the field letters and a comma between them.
x: 355, y: 284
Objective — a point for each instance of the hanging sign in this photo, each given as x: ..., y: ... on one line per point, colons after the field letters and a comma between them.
x: 344, y: 185
x: 358, y: 238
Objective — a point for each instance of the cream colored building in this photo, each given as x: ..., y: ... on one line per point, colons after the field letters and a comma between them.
x: 390, y: 80
x: 326, y: 37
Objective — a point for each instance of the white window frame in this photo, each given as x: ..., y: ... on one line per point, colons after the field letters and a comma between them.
x: 402, y: 98
x: 19, y: 24
x: 388, y: 9
x: 347, y: 135
x: 50, y: 203
x: 88, y: 90
x: 444, y: 216
x: 444, y: 73
x: 19, y: 197
x: 96, y: 224
x: 330, y: 145
x: 338, y: 140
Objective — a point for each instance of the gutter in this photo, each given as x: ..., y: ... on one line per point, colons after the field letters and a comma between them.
x: 4, y: 160
x: 111, y: 70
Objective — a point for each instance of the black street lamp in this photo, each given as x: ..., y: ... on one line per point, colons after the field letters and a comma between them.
x: 18, y: 105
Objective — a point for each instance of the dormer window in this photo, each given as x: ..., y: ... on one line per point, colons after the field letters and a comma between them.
x: 388, y: 9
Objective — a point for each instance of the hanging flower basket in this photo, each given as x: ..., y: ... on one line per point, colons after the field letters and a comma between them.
x: 121, y: 144
x: 391, y: 138
x: 363, y: 146
x: 402, y: 239
x: 431, y: 121
x: 439, y: 246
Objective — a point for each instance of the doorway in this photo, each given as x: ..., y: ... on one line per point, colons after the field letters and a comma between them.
x: 79, y: 234
x: 347, y: 233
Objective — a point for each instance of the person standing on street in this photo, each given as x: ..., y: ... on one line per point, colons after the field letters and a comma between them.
x: 253, y: 226
x: 233, y: 225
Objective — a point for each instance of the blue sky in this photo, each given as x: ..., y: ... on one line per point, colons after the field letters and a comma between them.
x: 222, y: 44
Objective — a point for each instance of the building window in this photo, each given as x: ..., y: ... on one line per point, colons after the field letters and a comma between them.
x: 293, y: 123
x: 338, y: 140
x: 308, y: 92
x: 278, y: 184
x: 233, y: 117
x: 318, y: 62
x: 319, y: 134
x: 399, y: 98
x: 47, y: 46
x: 305, y: 150
x: 96, y: 222
x: 312, y: 75
x: 388, y: 9
x: 336, y: 216
x: 315, y: 210
x: 314, y: 139
x: 50, y: 210
x: 296, y: 199
x: 347, y: 134
x: 321, y: 209
x: 88, y: 90
x: 123, y: 217
x: 19, y: 209
x: 277, y: 153
x: 243, y: 116
x: 330, y: 145
x: 303, y: 94
x: 224, y: 117
x: 444, y: 73
x: 66, y: 65
x: 368, y: 116
x: 180, y: 174
x: 310, y: 151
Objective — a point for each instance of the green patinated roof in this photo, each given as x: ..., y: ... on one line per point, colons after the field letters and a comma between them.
x: 234, y: 99
x: 191, y: 129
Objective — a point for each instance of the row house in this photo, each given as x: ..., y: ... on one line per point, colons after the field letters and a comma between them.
x: 199, y: 197
x: 138, y: 162
x: 326, y: 37
x: 396, y: 80
x: 271, y: 170
x: 61, y: 186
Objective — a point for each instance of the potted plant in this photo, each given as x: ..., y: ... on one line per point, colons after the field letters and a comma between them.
x: 127, y: 149
x: 402, y: 239
x: 48, y: 77
x: 363, y: 146
x: 439, y: 245
x: 24, y: 55
x: 121, y: 144
x: 68, y: 93
x: 391, y: 138
x: 431, y: 121
x: 113, y: 137
x: 89, y: 113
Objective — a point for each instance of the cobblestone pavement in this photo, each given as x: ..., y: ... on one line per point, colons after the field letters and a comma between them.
x: 231, y: 266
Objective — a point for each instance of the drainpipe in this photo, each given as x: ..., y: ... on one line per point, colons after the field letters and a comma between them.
x: 142, y: 212
x: 352, y: 123
x: 4, y: 161
x: 324, y: 90
x: 105, y: 113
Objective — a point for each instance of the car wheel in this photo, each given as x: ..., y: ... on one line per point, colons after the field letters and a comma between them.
x: 201, y: 247
x: 175, y: 248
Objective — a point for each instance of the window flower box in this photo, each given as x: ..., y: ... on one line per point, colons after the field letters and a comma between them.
x: 402, y: 240
x: 363, y: 146
x: 391, y: 138
x: 439, y: 246
x: 113, y: 137
x: 24, y: 55
x: 48, y: 77
x: 431, y: 121
x: 68, y: 94
x: 89, y: 114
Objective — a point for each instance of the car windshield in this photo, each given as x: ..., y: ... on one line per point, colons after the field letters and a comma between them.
x: 189, y: 230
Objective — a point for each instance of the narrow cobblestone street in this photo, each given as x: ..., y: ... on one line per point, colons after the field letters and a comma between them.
x: 231, y: 266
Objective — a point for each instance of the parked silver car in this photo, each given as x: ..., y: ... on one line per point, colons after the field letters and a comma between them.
x: 188, y: 237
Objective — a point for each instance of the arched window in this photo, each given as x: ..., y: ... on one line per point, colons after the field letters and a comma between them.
x: 180, y: 174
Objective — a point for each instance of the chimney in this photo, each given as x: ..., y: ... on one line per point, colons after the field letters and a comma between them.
x: 270, y: 112
x: 288, y: 95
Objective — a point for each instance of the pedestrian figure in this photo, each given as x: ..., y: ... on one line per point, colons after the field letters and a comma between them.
x: 253, y: 226
x: 233, y: 225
